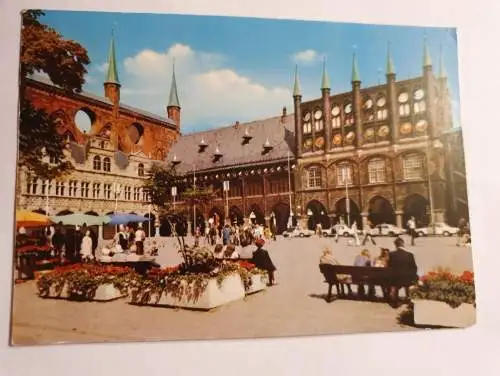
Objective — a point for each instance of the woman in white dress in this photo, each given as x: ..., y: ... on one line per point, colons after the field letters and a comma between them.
x: 86, y: 249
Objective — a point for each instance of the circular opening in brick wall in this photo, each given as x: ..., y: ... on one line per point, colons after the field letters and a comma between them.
x: 84, y: 119
x: 135, y: 132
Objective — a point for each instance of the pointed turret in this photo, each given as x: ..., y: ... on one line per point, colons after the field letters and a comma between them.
x: 355, y: 71
x: 427, y: 56
x: 174, y: 107
x: 325, y: 80
x: 173, y: 100
x: 296, y: 85
x: 112, y: 75
x: 390, y: 63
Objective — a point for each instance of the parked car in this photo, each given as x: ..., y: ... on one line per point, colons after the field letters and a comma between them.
x: 439, y: 228
x: 344, y: 230
x: 386, y: 229
x: 332, y: 231
x: 294, y: 232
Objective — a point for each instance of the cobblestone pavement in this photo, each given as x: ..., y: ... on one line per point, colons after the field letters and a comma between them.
x: 294, y: 307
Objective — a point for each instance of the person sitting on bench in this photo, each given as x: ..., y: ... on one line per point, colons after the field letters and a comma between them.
x: 327, y: 258
x: 405, y: 268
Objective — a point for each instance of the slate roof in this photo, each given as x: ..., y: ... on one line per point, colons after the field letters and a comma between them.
x: 229, y: 140
x: 98, y: 98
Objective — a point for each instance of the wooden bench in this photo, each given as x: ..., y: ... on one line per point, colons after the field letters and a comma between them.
x: 386, y: 278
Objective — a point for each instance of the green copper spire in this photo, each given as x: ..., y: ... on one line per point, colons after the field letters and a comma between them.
x: 296, y: 85
x: 355, y: 71
x: 390, y: 64
x: 112, y: 76
x: 325, y: 81
x: 173, y: 100
x: 427, y: 56
x: 442, y: 70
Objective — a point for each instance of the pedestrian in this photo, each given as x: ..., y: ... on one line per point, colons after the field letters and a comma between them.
x: 367, y: 233
x: 354, y: 229
x: 411, y: 228
x: 86, y: 250
x: 140, y: 236
x: 462, y: 223
x: 58, y: 240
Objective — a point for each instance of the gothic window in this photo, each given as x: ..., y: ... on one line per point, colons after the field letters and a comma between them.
x: 376, y: 171
x: 307, y: 126
x: 318, y: 120
x: 140, y: 170
x: 128, y: 191
x: 404, y: 109
x: 96, y: 190
x: 368, y: 111
x: 381, y: 108
x: 72, y: 188
x: 348, y: 115
x: 314, y: 177
x: 137, y: 194
x: 335, y: 116
x: 344, y: 174
x: 413, y: 167
x: 97, y: 162
x: 145, y: 196
x: 84, y: 189
x: 107, y: 191
x: 107, y: 164
x: 419, y: 101
x: 32, y: 186
x: 46, y: 185
x: 60, y: 188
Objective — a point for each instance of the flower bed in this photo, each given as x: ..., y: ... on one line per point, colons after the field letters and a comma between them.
x: 85, y: 282
x: 444, y: 299
x: 201, y: 282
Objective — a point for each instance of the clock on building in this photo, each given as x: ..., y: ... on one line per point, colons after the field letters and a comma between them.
x: 335, y: 110
x: 318, y: 114
x: 307, y: 116
x: 368, y: 104
x: 405, y: 128
x: 348, y: 108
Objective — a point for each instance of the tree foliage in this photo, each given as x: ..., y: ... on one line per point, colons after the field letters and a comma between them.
x: 45, y: 51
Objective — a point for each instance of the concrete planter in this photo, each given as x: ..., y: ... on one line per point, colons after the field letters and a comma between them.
x: 259, y: 283
x: 104, y: 293
x: 213, y: 296
x: 435, y: 313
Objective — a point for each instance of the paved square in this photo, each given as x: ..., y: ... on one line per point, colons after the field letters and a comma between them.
x: 293, y: 307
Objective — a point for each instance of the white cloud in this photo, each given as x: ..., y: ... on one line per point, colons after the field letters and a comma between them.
x: 306, y: 57
x: 102, y: 67
x: 211, y: 93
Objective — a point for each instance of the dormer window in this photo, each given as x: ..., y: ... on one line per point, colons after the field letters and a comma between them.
x: 246, y: 137
x: 175, y: 161
x: 203, y: 145
x: 218, y: 154
x: 267, y: 146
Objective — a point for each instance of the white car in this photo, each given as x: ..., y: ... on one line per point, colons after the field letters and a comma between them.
x: 298, y: 232
x: 344, y: 230
x: 386, y: 229
x: 438, y: 229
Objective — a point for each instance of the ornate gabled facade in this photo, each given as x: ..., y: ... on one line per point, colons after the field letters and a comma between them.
x: 374, y: 153
x: 118, y: 148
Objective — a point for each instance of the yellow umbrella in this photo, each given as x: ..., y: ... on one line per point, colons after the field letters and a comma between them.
x: 25, y: 218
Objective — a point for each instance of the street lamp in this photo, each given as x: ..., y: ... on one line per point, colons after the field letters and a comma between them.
x: 173, y: 192
x: 436, y: 145
x: 225, y: 186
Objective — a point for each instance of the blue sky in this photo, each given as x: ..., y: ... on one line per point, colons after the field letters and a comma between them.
x: 232, y: 68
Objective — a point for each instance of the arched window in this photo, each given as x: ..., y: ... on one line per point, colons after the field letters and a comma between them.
x: 413, y: 167
x: 376, y: 171
x: 314, y: 177
x: 97, y: 162
x: 335, y: 116
x: 140, y: 169
x: 107, y: 164
x: 307, y: 126
x: 344, y: 174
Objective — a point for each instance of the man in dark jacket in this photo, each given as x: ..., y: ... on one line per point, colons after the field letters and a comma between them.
x: 405, y: 269
x: 261, y: 260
